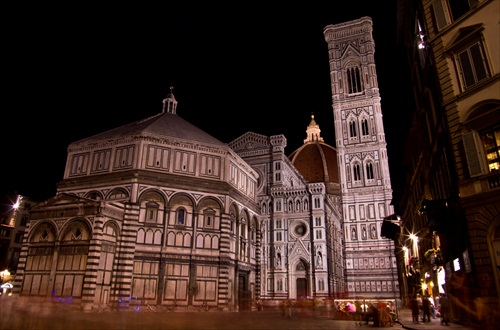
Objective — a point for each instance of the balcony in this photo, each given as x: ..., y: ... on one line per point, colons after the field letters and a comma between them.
x: 480, y: 184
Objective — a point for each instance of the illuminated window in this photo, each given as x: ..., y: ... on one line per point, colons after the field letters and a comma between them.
x: 482, y: 141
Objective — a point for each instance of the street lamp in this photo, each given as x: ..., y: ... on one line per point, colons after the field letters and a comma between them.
x: 4, y: 274
x: 414, y: 246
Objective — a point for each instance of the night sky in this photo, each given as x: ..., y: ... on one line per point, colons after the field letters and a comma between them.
x: 72, y: 72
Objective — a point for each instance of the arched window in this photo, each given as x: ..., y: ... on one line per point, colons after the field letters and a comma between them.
x: 364, y: 127
x: 181, y: 217
x: 369, y: 171
x: 356, y: 172
x: 353, y: 132
x: 354, y: 80
x: 151, y: 211
x: 209, y: 217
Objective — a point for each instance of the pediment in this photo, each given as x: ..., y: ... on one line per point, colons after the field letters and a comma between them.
x: 350, y: 49
x: 250, y: 141
x: 464, y: 35
x: 64, y: 199
x: 300, y: 250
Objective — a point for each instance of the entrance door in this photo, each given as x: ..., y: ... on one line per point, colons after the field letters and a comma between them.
x: 301, y: 288
x: 244, y: 298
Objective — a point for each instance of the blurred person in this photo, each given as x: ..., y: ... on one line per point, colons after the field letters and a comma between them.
x: 444, y: 309
x: 420, y: 307
x: 414, y: 309
x: 426, y: 309
x: 358, y: 314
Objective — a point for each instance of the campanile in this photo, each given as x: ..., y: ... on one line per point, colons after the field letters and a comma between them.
x: 370, y: 262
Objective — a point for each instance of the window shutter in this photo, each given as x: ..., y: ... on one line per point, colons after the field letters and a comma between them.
x: 466, y: 66
x: 474, y: 153
x: 478, y: 61
x: 442, y: 14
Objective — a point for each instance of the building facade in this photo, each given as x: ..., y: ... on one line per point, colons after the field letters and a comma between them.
x: 158, y: 212
x: 451, y: 205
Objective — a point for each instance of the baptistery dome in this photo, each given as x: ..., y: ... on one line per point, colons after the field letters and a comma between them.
x: 316, y: 160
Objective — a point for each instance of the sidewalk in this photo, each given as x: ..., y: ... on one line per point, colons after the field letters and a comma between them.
x: 405, y: 320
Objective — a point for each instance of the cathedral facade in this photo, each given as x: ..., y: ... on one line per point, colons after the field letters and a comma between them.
x: 158, y: 212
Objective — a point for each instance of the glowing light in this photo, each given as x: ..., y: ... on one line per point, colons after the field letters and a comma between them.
x: 414, y: 239
x: 18, y: 202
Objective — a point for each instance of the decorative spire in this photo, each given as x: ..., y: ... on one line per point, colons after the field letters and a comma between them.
x: 169, y: 103
x: 313, y: 131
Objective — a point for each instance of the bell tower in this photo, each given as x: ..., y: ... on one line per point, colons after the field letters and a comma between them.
x: 371, y: 269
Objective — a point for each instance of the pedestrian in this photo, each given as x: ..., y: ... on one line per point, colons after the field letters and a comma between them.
x: 287, y: 310
x: 433, y: 308
x: 420, y: 308
x: 444, y: 309
x: 358, y: 313
x: 414, y: 309
x: 426, y: 309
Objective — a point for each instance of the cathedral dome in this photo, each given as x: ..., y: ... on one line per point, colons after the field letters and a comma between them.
x: 316, y: 160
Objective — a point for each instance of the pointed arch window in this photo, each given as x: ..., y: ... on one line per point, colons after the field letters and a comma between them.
x: 356, y: 172
x: 364, y: 127
x: 369, y: 171
x: 354, y: 80
x: 353, y: 132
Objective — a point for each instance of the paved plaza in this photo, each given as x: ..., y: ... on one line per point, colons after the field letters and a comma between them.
x: 47, y: 317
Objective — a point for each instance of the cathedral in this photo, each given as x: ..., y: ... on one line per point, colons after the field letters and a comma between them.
x: 158, y: 212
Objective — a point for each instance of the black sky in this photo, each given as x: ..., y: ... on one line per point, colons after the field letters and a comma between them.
x: 73, y: 72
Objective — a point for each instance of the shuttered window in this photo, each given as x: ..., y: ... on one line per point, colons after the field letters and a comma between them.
x: 474, y: 154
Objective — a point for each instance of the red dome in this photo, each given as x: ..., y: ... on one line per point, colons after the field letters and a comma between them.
x: 317, y: 162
